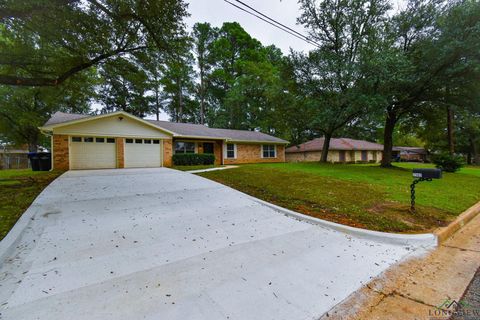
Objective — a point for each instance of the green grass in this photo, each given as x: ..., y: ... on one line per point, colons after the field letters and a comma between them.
x: 364, y: 196
x: 190, y: 168
x: 18, y: 190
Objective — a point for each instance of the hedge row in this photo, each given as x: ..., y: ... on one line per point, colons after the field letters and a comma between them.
x: 193, y: 159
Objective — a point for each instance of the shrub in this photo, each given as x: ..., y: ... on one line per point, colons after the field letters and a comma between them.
x: 448, y: 162
x: 193, y: 159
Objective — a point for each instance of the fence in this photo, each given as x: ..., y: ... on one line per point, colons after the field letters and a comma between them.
x: 14, y: 161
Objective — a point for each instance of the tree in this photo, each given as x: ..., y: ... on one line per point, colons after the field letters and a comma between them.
x: 23, y: 110
x: 333, y: 77
x: 203, y: 38
x: 44, y: 45
x: 428, y: 51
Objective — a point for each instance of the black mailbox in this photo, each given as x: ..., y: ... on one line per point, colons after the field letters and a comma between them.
x: 427, y: 173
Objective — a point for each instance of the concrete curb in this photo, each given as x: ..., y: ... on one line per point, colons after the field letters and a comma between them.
x: 16, y: 232
x: 444, y: 233
x: 211, y: 169
x: 425, y: 240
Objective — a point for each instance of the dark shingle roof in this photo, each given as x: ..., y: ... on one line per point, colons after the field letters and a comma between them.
x: 59, y: 117
x: 186, y: 129
x: 335, y: 144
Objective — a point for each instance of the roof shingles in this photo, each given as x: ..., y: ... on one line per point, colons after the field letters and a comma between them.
x: 186, y: 129
x: 335, y: 144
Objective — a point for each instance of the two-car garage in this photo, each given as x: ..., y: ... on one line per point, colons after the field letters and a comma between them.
x: 101, y: 152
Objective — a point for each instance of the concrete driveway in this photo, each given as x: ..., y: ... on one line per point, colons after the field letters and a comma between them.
x: 163, y: 244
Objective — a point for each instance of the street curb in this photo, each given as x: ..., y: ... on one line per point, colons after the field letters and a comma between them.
x: 425, y: 240
x: 444, y: 233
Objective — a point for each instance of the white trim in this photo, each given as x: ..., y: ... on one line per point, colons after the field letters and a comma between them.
x: 234, y: 151
x: 106, y: 115
x: 274, y: 151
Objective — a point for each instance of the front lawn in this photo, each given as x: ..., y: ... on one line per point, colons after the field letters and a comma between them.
x: 18, y: 190
x: 364, y: 196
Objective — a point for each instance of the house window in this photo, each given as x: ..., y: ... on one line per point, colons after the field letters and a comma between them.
x: 156, y: 141
x: 231, y: 151
x: 364, y: 155
x: 138, y: 140
x: 100, y: 140
x: 129, y: 140
x: 110, y: 140
x: 147, y: 141
x: 76, y: 139
x: 88, y: 139
x: 268, y: 151
x: 184, y: 147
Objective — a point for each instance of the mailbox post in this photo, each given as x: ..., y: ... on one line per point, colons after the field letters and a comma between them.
x: 422, y: 175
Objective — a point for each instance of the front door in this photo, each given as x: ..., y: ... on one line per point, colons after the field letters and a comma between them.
x: 208, y: 147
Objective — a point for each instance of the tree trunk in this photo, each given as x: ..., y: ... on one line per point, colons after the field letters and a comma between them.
x: 180, y: 102
x: 475, y: 153
x: 157, y: 105
x: 202, y: 98
x: 450, y: 131
x: 390, y: 123
x: 326, y: 147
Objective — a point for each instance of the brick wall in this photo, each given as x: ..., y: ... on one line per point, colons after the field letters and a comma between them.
x: 120, y: 153
x: 333, y: 156
x: 251, y: 153
x: 60, y: 152
x: 167, y: 153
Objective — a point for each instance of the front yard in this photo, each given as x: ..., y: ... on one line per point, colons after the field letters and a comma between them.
x: 364, y: 196
x: 18, y: 190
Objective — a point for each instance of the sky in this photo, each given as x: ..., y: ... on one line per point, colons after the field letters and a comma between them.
x: 285, y: 11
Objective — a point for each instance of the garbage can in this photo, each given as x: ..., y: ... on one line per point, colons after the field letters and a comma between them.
x: 34, y: 161
x: 45, y: 161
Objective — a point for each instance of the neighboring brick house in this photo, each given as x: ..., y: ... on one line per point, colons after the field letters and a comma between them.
x: 341, y: 150
x: 121, y: 140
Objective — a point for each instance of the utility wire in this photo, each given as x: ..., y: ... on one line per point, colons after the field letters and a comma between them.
x: 276, y: 22
x: 279, y: 26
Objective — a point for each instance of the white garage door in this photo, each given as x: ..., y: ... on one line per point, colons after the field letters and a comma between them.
x: 92, y: 153
x: 143, y: 153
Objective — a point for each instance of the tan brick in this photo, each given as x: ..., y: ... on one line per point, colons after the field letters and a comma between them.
x: 251, y: 153
x: 120, y: 144
x: 167, y: 153
x: 60, y: 155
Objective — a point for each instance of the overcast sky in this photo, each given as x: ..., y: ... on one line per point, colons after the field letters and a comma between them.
x: 285, y: 11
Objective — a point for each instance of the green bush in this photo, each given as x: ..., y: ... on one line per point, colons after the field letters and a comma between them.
x: 448, y: 162
x: 193, y: 159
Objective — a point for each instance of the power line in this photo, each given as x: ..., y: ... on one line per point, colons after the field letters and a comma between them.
x: 279, y: 26
x: 276, y: 22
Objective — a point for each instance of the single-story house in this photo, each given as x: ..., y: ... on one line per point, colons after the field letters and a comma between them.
x: 416, y: 154
x: 341, y: 150
x: 121, y: 140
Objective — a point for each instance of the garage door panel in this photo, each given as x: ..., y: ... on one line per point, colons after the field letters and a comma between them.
x: 92, y: 155
x: 143, y: 153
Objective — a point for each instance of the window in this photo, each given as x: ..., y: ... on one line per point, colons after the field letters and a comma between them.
x: 156, y: 141
x: 138, y: 140
x: 100, y: 140
x: 147, y: 141
x: 364, y: 155
x: 88, y: 139
x: 76, y: 139
x: 231, y: 151
x: 110, y: 140
x: 268, y: 151
x: 129, y: 140
x: 184, y: 147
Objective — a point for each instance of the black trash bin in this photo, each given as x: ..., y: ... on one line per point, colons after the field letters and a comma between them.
x: 45, y: 161
x: 34, y: 161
